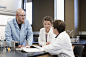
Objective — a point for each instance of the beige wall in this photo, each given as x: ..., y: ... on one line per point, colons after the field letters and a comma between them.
x: 69, y: 15
x: 46, y: 7
x: 41, y: 8
x: 82, y: 15
x: 70, y: 19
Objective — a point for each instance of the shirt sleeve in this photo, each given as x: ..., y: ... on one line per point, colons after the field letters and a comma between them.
x: 54, y: 48
x: 8, y: 34
x: 41, y: 42
x: 29, y: 35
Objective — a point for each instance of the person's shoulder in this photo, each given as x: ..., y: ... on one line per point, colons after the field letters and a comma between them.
x: 63, y: 34
x: 42, y: 29
x: 26, y: 20
x: 11, y: 21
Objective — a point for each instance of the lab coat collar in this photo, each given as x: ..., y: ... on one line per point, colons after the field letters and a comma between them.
x: 15, y: 20
x: 62, y: 33
x: 15, y: 23
x: 56, y: 36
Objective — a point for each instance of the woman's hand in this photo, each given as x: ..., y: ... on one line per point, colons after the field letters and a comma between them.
x: 47, y: 43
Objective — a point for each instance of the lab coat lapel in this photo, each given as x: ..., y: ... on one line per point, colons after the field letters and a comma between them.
x: 17, y: 28
x: 44, y: 37
x: 49, y: 34
x: 22, y: 30
x: 50, y: 30
x: 16, y: 25
x: 22, y: 26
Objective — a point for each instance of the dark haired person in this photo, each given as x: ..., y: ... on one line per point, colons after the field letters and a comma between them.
x: 61, y: 46
x: 46, y: 34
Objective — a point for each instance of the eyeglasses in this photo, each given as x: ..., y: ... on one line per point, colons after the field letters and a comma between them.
x: 22, y: 15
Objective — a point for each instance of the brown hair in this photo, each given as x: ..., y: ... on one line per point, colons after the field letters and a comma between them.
x: 47, y: 18
x: 59, y: 25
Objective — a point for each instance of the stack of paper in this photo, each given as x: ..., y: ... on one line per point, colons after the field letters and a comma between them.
x: 28, y: 49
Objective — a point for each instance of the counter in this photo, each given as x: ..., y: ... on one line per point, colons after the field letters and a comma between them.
x: 21, y: 54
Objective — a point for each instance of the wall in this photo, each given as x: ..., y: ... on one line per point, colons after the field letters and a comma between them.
x: 8, y: 13
x: 46, y: 7
x: 69, y: 15
x: 41, y: 8
x: 82, y: 15
x: 76, y: 17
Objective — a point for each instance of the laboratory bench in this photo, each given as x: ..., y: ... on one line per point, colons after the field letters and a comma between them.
x: 36, y: 54
x: 22, y: 54
x: 81, y: 42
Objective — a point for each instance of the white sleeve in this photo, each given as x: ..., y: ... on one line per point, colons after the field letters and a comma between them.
x: 54, y: 48
x: 40, y: 40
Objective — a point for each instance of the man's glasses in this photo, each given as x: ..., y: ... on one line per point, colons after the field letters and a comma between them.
x: 22, y: 15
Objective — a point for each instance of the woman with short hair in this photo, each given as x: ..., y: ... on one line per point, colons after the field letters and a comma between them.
x: 46, y: 34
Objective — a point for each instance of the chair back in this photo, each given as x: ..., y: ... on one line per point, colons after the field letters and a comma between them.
x: 78, y: 50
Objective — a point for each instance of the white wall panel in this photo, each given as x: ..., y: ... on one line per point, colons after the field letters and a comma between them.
x: 3, y: 22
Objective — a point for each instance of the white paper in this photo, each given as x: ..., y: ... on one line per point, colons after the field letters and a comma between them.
x: 27, y: 49
x: 32, y: 50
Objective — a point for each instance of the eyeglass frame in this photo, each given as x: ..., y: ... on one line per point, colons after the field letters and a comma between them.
x: 21, y: 15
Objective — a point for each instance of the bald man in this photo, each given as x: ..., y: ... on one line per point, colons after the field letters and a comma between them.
x: 18, y: 29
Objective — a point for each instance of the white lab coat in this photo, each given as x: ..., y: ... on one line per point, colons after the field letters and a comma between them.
x: 42, y: 36
x: 61, y: 46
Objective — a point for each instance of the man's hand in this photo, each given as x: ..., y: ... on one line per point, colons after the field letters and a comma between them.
x: 47, y: 43
x: 20, y: 46
x: 27, y: 45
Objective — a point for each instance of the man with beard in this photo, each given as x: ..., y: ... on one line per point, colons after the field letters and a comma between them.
x: 18, y: 29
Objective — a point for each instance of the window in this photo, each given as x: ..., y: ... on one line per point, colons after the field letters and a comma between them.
x: 59, y: 9
x: 29, y: 12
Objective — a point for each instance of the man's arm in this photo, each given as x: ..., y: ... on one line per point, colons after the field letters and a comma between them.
x: 8, y: 36
x: 29, y: 34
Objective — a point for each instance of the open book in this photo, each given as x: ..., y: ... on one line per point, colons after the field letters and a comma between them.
x: 33, y: 48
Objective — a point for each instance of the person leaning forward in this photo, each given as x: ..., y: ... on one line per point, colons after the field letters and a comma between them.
x: 18, y: 29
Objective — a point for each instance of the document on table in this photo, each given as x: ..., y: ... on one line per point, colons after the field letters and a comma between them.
x: 27, y: 49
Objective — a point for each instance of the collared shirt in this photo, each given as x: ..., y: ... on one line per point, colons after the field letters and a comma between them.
x: 46, y: 37
x: 19, y: 26
x: 14, y: 33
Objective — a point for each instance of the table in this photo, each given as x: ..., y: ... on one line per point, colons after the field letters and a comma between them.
x: 21, y: 54
x: 81, y: 42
